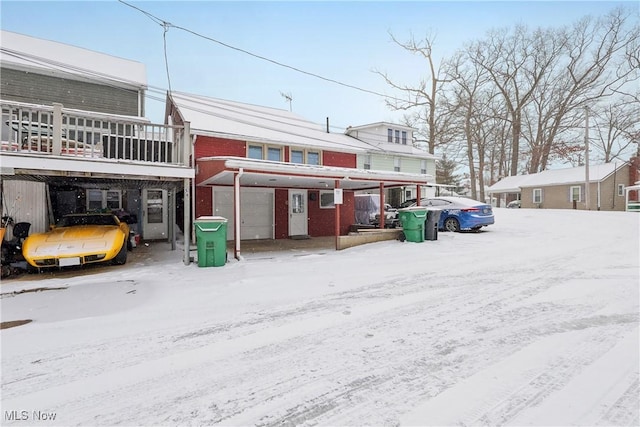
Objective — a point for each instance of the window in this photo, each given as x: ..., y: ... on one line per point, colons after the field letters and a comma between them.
x: 537, y: 195
x: 297, y: 156
x: 404, y: 137
x: 273, y: 154
x: 397, y: 137
x: 396, y: 164
x: 94, y: 200
x: 423, y: 166
x: 367, y: 161
x: 389, y: 135
x: 620, y: 189
x: 103, y: 200
x: 575, y: 193
x: 313, y: 158
x: 255, y: 152
x: 326, y: 200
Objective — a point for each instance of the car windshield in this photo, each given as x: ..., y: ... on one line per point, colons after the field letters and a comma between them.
x: 71, y: 220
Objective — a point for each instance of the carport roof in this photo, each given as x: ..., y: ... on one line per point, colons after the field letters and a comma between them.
x: 264, y: 173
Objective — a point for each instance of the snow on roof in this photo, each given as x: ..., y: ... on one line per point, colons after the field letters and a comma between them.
x: 377, y: 124
x: 509, y: 184
x: 597, y: 173
x: 29, y: 53
x: 235, y: 120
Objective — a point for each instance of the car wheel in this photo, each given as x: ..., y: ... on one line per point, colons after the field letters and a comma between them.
x: 32, y: 270
x: 121, y: 258
x: 451, y: 224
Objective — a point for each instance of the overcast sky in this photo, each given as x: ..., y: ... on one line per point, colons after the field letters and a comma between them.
x: 342, y: 41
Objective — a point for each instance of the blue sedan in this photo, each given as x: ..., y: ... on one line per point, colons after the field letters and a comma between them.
x: 460, y: 213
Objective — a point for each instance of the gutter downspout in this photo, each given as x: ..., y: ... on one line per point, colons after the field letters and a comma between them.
x: 236, y: 213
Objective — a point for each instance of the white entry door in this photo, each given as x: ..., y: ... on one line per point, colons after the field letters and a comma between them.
x: 155, y: 217
x: 298, y: 213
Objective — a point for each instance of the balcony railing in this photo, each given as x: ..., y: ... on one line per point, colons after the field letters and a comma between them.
x: 56, y: 131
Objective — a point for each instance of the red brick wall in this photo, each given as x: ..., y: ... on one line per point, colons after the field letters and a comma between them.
x: 322, y: 221
x: 343, y: 160
x: 208, y: 146
x: 204, y: 202
x: 281, y: 214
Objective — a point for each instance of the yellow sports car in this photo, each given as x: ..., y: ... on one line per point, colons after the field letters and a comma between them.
x: 79, y: 239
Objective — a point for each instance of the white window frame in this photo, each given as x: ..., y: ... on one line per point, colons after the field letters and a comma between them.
x: 397, y: 135
x: 367, y: 162
x: 537, y: 195
x: 389, y: 135
x: 571, y: 189
x: 265, y: 152
x: 397, y: 164
x: 404, y: 137
x: 261, y: 146
x: 324, y: 203
x: 104, y: 199
x: 300, y: 150
x: 621, y: 189
x: 423, y: 166
x: 306, y: 157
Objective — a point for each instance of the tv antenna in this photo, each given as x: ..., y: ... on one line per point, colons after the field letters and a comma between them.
x: 288, y: 98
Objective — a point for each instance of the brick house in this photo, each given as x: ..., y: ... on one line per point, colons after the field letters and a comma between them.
x: 274, y: 174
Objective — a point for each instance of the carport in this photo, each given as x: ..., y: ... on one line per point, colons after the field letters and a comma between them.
x: 240, y: 172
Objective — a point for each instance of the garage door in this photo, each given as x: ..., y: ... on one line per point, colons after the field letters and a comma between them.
x: 256, y: 212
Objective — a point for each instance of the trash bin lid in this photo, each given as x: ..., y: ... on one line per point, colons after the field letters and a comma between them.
x: 211, y: 219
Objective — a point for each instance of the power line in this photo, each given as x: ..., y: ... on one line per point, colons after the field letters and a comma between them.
x: 162, y: 22
x: 225, y: 107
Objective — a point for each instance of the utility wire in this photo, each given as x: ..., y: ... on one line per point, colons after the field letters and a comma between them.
x: 226, y: 109
x: 161, y: 22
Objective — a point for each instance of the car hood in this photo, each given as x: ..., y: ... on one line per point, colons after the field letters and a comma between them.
x: 76, y: 240
x: 90, y: 232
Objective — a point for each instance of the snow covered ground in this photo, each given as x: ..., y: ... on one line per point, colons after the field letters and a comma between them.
x: 531, y: 322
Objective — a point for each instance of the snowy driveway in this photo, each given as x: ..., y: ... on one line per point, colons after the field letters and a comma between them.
x: 531, y: 322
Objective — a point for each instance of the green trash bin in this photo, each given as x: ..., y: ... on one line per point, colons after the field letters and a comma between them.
x: 412, y: 220
x: 211, y: 238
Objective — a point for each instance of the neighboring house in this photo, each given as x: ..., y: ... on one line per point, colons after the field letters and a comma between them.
x: 73, y: 138
x: 391, y: 149
x: 565, y: 188
x: 272, y: 173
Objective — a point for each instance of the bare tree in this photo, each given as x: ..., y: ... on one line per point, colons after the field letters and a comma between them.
x: 617, y: 126
x: 421, y: 100
x: 516, y: 61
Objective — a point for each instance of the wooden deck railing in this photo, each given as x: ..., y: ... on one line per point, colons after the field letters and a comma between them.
x: 56, y: 131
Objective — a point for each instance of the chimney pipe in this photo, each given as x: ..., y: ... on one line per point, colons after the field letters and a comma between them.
x: 327, y: 124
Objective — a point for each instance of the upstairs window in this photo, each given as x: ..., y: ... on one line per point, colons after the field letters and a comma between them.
x: 274, y: 154
x: 297, y: 156
x: 620, y: 189
x: 313, y: 158
x: 404, y: 137
x: 255, y: 152
x: 367, y: 162
x: 397, y: 137
x: 396, y: 164
x: 389, y: 135
x: 423, y: 167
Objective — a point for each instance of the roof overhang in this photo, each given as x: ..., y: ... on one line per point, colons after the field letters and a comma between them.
x: 264, y: 173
